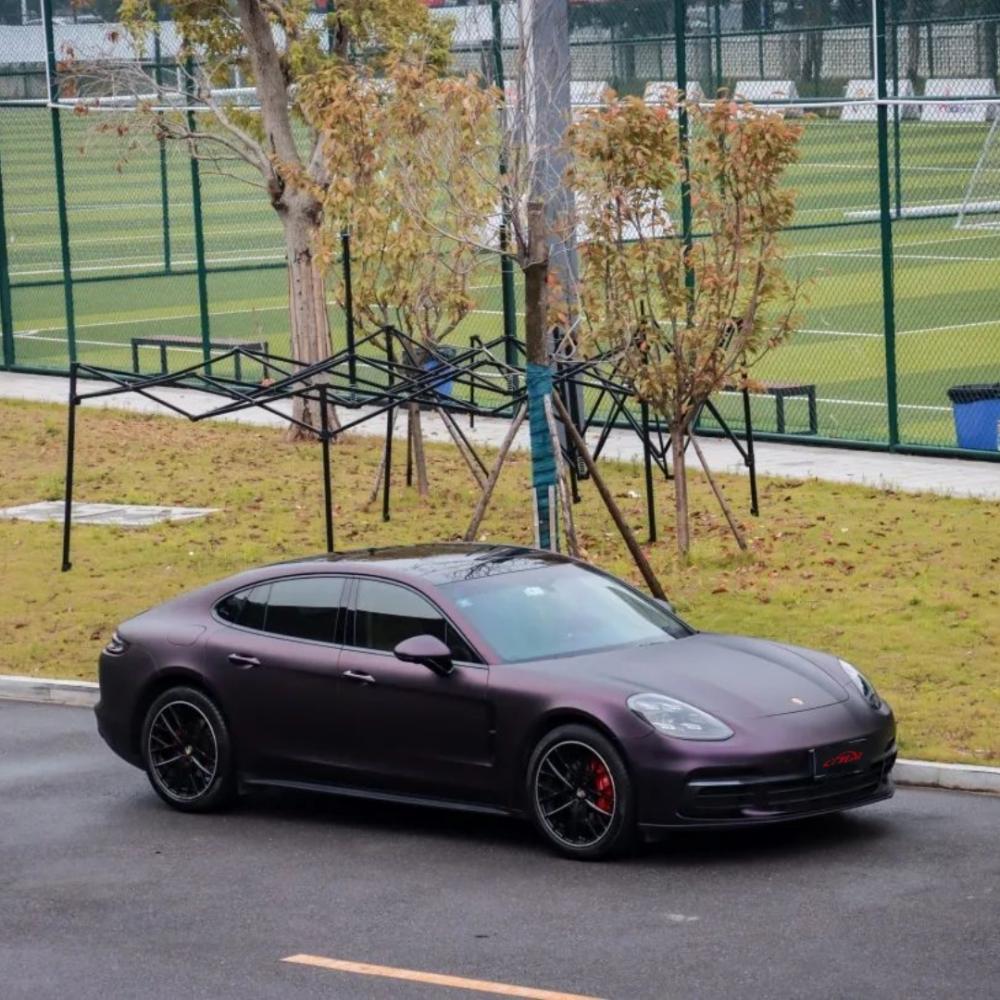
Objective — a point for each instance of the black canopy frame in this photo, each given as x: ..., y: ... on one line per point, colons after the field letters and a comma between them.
x: 381, y: 373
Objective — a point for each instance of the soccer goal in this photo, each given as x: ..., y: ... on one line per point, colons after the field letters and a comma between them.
x: 980, y: 208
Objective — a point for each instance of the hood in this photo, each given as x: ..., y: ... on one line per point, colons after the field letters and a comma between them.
x: 731, y: 676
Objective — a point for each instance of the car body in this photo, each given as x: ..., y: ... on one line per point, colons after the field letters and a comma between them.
x: 436, y: 674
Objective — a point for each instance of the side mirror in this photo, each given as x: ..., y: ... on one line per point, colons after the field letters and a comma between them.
x: 427, y: 650
x: 664, y: 603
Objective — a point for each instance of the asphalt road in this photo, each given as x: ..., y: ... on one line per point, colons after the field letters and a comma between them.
x: 105, y: 893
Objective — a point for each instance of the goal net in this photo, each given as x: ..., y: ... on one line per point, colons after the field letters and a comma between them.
x: 980, y: 207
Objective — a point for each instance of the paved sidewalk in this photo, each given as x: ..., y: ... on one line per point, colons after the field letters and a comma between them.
x: 909, y: 473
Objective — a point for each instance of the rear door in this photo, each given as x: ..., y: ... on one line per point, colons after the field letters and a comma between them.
x: 276, y: 657
x: 412, y: 730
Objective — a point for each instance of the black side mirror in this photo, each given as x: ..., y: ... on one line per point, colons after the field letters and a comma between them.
x: 664, y: 603
x: 428, y: 650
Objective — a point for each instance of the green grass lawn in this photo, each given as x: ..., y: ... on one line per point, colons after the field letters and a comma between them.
x: 907, y: 587
x: 947, y: 281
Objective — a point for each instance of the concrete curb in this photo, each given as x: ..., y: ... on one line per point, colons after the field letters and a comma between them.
x: 81, y: 694
x: 911, y: 773
x: 932, y: 774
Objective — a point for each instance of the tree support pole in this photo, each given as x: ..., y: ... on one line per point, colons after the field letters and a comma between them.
x: 723, y: 502
x: 494, y: 476
x: 70, y: 460
x: 616, y: 515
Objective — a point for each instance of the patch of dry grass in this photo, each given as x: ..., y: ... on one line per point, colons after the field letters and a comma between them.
x: 907, y: 587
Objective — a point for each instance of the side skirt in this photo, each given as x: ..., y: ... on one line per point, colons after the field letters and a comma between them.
x: 351, y: 792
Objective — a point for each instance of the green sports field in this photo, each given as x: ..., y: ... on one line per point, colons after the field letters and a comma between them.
x: 947, y: 280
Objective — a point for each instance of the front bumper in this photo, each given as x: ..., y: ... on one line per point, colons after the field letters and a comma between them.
x: 740, y: 783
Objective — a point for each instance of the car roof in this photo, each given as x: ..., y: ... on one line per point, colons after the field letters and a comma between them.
x: 437, y: 563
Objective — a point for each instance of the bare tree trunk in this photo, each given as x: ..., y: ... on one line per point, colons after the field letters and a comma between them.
x: 310, y: 327
x: 536, y: 274
x: 562, y: 477
x: 494, y: 476
x: 417, y: 443
x: 912, y: 42
x: 720, y: 496
x: 680, y: 490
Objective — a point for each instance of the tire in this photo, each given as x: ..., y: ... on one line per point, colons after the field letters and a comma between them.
x: 187, y: 751
x: 580, y: 795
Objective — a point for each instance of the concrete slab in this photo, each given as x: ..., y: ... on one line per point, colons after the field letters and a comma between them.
x: 124, y: 515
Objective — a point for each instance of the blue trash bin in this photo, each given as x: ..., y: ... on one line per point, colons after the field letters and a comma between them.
x: 977, y: 415
x: 446, y: 354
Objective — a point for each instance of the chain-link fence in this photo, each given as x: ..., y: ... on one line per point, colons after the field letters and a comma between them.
x: 111, y: 247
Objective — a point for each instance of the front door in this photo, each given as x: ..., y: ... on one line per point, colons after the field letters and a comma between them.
x: 412, y: 730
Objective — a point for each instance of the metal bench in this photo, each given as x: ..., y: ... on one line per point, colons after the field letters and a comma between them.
x: 225, y: 344
x: 788, y: 390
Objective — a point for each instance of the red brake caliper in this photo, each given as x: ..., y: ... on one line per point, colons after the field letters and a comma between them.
x: 603, y: 786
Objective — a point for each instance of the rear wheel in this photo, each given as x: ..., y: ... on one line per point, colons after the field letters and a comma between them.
x: 187, y: 751
x: 580, y: 794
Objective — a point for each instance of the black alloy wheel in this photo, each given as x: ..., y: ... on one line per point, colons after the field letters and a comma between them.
x: 187, y: 751
x: 580, y: 794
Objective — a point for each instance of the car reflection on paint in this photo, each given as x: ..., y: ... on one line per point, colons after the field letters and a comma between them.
x: 494, y: 678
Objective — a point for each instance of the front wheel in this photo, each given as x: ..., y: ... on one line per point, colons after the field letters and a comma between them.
x: 187, y: 751
x: 580, y: 794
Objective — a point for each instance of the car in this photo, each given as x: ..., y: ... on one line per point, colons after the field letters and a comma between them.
x: 494, y: 678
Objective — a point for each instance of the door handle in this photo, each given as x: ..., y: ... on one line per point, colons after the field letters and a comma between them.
x: 239, y: 660
x: 354, y: 675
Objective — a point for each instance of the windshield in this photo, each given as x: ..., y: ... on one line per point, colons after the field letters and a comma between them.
x: 560, y: 610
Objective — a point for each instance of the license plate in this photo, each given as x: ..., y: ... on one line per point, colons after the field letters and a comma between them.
x: 840, y: 758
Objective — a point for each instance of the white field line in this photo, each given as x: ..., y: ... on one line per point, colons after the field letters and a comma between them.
x: 132, y: 204
x: 131, y: 238
x: 144, y: 264
x: 948, y: 258
x: 910, y: 169
x: 149, y: 319
x: 903, y: 333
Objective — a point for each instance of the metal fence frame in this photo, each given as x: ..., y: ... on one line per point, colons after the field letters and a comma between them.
x: 884, y: 53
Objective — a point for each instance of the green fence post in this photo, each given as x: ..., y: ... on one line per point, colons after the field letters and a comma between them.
x: 718, y: 49
x: 898, y: 169
x: 506, y: 264
x: 57, y: 154
x: 199, y: 227
x: 164, y: 196
x: 885, y: 215
x: 684, y: 133
x: 6, y: 313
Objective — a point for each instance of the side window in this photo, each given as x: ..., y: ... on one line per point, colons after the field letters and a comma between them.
x: 386, y: 614
x: 305, y: 607
x: 246, y: 607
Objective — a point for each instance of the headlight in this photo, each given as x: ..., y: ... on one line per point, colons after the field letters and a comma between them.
x: 676, y: 718
x: 862, y: 683
x: 116, y: 645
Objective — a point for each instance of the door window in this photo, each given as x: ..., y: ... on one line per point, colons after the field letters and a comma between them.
x: 305, y: 607
x: 386, y: 614
x: 246, y: 607
x: 301, y: 607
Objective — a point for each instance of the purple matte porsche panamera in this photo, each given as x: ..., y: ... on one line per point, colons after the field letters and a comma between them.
x: 492, y: 678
